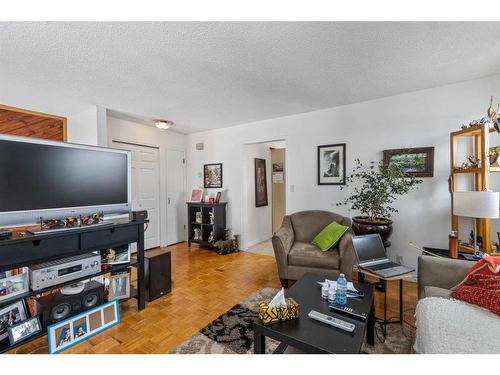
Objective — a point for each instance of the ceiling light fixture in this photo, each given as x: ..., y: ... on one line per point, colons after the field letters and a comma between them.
x: 163, y: 124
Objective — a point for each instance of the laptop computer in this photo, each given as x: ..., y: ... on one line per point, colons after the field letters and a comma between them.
x: 371, y: 256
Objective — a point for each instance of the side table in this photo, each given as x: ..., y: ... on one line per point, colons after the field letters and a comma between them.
x: 381, y: 284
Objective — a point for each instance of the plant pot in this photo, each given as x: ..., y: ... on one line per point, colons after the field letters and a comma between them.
x: 365, y: 225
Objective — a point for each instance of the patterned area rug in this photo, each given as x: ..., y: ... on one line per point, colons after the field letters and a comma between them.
x: 232, y: 333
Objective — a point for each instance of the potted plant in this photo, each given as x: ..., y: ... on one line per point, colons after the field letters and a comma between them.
x: 374, y: 190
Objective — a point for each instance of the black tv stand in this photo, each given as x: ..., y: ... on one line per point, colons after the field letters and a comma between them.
x: 23, y: 249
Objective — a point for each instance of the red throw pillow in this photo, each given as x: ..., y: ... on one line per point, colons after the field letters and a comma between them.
x: 481, y: 285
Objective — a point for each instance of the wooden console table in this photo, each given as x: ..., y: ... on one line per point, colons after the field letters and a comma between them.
x: 23, y: 249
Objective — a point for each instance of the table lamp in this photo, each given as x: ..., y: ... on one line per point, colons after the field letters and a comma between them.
x: 478, y: 205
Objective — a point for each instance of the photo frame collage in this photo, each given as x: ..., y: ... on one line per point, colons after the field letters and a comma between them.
x: 69, y: 332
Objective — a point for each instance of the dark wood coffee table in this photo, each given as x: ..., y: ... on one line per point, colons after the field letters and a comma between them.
x: 311, y: 336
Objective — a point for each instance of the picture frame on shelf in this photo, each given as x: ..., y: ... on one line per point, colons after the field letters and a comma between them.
x: 24, y: 330
x: 64, y: 334
x: 218, y: 197
x: 212, y: 176
x: 196, y: 195
x: 332, y: 164
x: 13, y: 284
x: 116, y: 255
x: 419, y: 160
x: 260, y: 183
x: 119, y: 286
x: 11, y: 315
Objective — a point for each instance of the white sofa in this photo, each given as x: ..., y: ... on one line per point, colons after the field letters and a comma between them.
x: 445, y: 325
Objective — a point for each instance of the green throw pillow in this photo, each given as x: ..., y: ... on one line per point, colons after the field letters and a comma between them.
x: 329, y: 236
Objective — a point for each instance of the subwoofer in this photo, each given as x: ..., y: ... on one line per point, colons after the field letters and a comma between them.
x: 158, y: 273
x: 56, y: 306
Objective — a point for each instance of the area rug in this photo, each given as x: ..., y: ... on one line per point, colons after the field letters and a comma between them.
x: 232, y: 333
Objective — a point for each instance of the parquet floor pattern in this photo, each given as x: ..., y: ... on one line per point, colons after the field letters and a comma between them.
x: 205, y: 286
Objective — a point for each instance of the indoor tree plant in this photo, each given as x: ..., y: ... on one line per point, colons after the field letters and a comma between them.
x: 374, y: 190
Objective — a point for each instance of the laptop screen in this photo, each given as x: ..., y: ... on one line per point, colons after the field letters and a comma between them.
x: 368, y: 248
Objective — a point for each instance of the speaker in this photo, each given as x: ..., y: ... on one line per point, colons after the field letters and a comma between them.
x: 138, y: 215
x: 56, y: 306
x: 158, y: 273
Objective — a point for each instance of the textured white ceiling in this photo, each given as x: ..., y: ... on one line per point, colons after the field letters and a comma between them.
x: 210, y: 75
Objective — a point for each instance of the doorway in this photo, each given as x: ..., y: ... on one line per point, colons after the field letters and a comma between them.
x: 145, y: 177
x: 260, y: 221
x: 176, y: 197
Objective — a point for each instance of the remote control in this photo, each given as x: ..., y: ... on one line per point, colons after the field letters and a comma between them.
x: 348, y: 311
x: 355, y: 294
x: 346, y: 326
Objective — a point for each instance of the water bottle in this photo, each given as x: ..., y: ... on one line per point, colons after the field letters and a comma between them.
x: 341, y: 295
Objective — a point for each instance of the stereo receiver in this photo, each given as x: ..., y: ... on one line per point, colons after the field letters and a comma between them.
x: 60, y: 271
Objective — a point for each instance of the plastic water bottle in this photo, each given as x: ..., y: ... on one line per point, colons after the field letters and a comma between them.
x: 341, y: 295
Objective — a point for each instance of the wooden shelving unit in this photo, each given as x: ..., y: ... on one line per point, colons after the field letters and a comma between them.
x: 479, y: 135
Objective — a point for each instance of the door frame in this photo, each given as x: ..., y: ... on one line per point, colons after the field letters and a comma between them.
x: 244, y: 191
x: 161, y: 188
x: 184, y: 185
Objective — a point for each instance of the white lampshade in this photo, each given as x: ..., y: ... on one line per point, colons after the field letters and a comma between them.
x: 477, y: 204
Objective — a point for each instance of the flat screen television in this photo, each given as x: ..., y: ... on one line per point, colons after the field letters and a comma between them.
x: 37, y: 175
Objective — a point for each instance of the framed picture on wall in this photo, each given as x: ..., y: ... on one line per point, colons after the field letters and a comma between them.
x: 331, y: 164
x: 212, y: 175
x: 260, y: 183
x: 417, y: 162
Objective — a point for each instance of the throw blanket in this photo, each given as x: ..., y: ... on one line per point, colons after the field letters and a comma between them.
x: 481, y: 285
x: 447, y: 326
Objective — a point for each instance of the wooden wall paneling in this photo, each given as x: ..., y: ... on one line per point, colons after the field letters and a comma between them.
x: 25, y: 123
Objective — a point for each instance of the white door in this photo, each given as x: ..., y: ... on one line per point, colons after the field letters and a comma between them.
x: 146, y: 187
x: 176, y: 199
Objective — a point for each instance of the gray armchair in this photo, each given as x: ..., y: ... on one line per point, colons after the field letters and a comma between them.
x: 295, y: 255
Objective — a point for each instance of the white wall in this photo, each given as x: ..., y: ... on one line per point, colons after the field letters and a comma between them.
x: 132, y: 132
x: 82, y: 127
x: 258, y: 219
x: 422, y: 118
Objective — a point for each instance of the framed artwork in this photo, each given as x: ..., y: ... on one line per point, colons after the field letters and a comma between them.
x: 119, y: 286
x: 196, y: 195
x: 24, y: 330
x: 218, y: 197
x: 331, y: 164
x: 116, y: 255
x: 69, y: 332
x: 417, y: 162
x: 260, y: 183
x: 212, y: 175
x: 278, y: 167
x: 13, y: 285
x: 10, y: 316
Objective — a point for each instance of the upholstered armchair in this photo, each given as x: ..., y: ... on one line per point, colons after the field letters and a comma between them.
x: 295, y: 255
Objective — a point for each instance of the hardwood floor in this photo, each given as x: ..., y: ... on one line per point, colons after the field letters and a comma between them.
x: 205, y: 286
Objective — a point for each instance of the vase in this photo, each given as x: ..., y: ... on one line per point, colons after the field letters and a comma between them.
x: 365, y: 225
